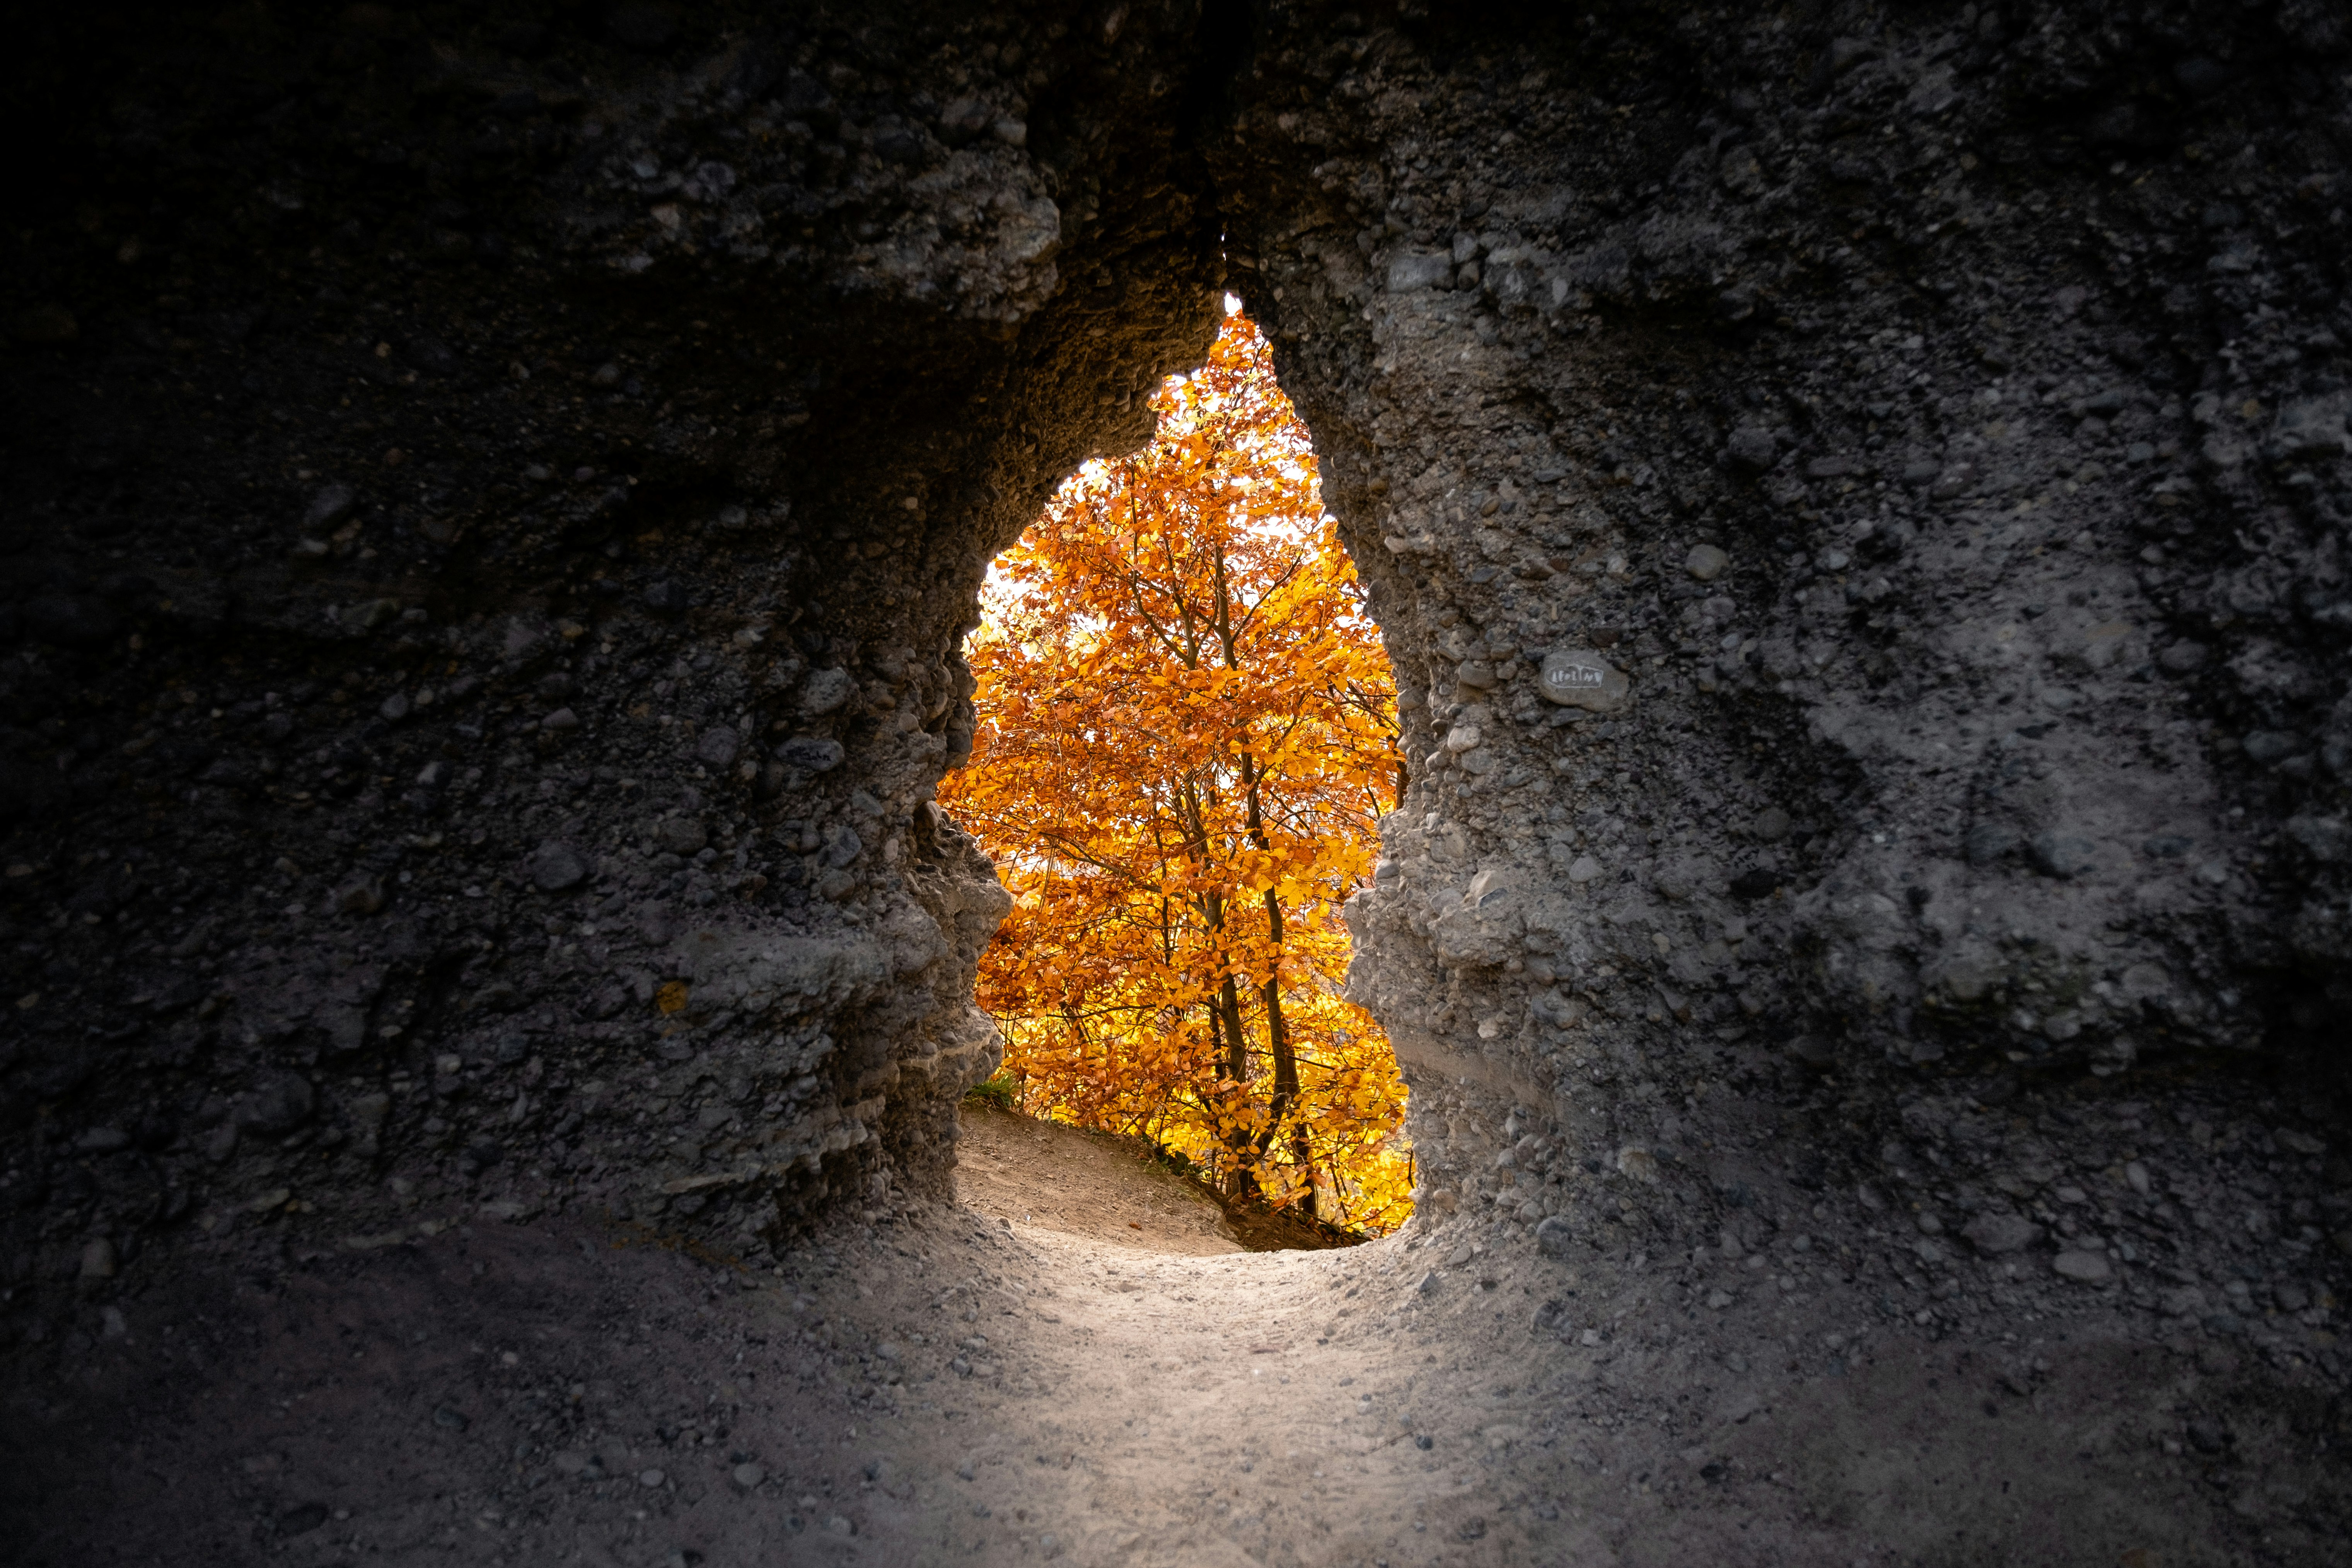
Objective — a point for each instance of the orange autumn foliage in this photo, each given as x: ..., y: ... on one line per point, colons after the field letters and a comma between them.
x: 1187, y: 732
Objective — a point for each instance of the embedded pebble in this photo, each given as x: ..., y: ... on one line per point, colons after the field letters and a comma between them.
x: 329, y: 505
x: 810, y: 754
x: 1997, y: 1235
x: 2181, y: 657
x: 2084, y: 1267
x: 555, y: 867
x: 717, y: 747
x: 1751, y: 447
x: 1580, y: 677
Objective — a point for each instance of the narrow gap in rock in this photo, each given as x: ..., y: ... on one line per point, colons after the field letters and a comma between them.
x: 1187, y: 737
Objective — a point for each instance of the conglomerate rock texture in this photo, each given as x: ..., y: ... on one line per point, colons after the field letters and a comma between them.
x: 1858, y: 520
x: 494, y: 526
x: 1856, y: 499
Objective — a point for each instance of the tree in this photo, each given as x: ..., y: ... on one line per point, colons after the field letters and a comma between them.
x: 1187, y: 732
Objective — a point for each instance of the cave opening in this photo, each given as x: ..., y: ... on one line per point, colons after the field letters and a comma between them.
x: 1934, y: 423
x: 1186, y: 736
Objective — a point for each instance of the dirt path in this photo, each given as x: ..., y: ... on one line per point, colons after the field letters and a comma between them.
x: 954, y: 1386
x: 1059, y: 1179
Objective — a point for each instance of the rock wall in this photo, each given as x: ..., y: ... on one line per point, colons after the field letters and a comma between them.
x: 496, y: 502
x: 1857, y: 508
x: 1855, y: 501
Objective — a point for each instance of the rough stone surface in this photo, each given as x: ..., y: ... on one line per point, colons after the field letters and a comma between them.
x: 435, y: 442
x: 458, y: 720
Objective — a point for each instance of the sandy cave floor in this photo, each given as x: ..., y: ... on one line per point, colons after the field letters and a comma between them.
x: 950, y: 1384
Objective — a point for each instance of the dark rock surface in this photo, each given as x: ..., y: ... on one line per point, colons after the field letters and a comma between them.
x: 1857, y: 506
x: 1875, y: 441
x: 493, y: 564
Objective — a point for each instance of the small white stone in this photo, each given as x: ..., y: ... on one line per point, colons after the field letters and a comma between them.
x: 1580, y: 677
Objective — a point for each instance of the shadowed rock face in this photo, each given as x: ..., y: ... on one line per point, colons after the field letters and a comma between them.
x: 1805, y: 520
x: 1856, y: 514
x: 492, y: 578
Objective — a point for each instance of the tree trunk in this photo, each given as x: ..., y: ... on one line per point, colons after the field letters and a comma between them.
x: 1278, y: 1037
